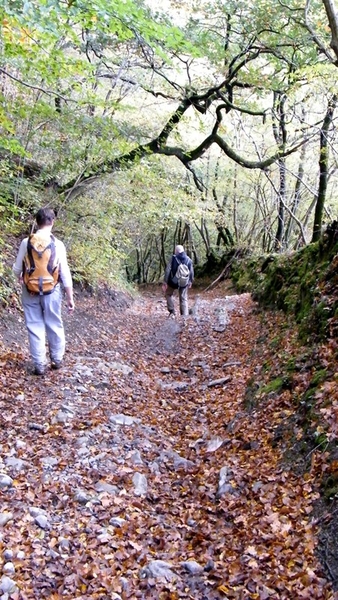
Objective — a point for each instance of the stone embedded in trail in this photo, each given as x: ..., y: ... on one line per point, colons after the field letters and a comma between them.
x: 192, y: 567
x: 140, y: 484
x: 121, y: 419
x: 16, y: 463
x: 117, y: 521
x: 135, y: 458
x: 8, y: 568
x: 179, y: 461
x: 120, y: 367
x: 154, y: 467
x: 226, y: 488
x: 223, y: 476
x: 49, y: 461
x: 101, y: 385
x: 108, y: 488
x: 82, y: 441
x: 20, y: 444
x: 174, y: 385
x: 5, y: 517
x: 34, y: 511
x: 223, y: 486
x: 5, y: 481
x: 83, y: 451
x: 81, y: 389
x: 81, y: 497
x: 197, y: 443
x: 214, y: 444
x: 83, y: 370
x: 257, y: 486
x: 158, y: 569
x: 184, y: 369
x: 222, y: 318
x: 104, y: 536
x: 197, y: 361
x: 42, y: 521
x: 220, y: 381
x: 219, y: 328
x: 231, y: 363
x: 38, y: 427
x: 65, y: 414
x: 67, y: 408
x: 7, y: 585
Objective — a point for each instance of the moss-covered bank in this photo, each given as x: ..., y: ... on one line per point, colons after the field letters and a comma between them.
x: 304, y: 283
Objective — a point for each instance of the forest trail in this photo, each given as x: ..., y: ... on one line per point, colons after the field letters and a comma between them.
x: 145, y: 468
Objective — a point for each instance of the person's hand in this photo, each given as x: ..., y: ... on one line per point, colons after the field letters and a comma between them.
x: 71, y: 304
x: 164, y: 287
x: 70, y: 298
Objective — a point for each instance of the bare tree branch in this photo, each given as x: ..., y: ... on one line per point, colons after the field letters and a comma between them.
x: 35, y: 87
x: 331, y: 12
x: 314, y: 36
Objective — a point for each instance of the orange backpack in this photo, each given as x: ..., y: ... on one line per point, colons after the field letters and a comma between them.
x: 40, y: 266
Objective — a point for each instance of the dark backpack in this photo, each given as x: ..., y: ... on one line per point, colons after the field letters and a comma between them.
x: 40, y: 266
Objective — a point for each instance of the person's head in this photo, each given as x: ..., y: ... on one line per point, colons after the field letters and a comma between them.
x: 45, y: 217
x: 179, y: 249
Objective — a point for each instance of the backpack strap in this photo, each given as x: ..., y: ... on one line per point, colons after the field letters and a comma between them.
x: 30, y: 257
x: 171, y: 268
x: 52, y: 264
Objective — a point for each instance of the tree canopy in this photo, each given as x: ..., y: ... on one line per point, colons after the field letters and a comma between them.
x: 219, y: 90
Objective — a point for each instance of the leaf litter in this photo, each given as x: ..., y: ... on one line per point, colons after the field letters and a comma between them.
x: 127, y: 475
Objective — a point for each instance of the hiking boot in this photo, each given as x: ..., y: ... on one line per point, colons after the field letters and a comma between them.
x: 171, y: 315
x: 39, y: 370
x: 56, y: 364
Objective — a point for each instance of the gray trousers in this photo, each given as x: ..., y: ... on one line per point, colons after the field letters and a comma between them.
x: 183, y: 298
x: 43, y: 317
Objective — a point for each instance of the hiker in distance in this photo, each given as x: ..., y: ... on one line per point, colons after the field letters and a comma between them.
x: 41, y: 265
x: 179, y: 274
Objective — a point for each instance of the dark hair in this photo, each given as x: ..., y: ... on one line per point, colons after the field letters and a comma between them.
x: 45, y: 216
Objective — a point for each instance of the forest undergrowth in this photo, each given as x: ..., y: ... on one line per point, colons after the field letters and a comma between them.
x: 168, y: 459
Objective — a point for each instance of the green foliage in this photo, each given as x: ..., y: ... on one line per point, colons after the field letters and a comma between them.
x: 303, y: 284
x: 318, y: 377
x: 85, y: 83
x: 276, y: 385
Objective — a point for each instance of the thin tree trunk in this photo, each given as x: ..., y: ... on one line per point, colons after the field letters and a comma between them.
x: 323, y: 169
x: 203, y: 231
x: 162, y: 251
x: 279, y: 131
x: 234, y: 208
x: 297, y: 194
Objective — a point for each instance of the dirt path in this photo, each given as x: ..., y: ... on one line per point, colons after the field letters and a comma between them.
x: 143, y: 469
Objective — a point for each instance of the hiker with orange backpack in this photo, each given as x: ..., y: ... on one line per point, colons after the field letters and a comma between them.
x: 179, y: 275
x: 41, y: 265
